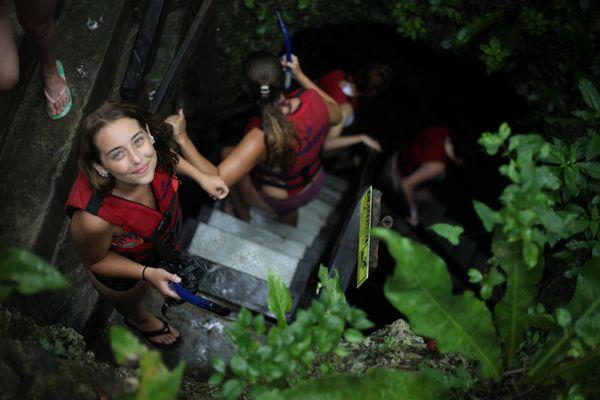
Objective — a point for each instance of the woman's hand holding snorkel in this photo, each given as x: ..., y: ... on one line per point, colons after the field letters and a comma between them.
x: 192, y: 163
x: 335, y: 115
x: 160, y: 279
x: 294, y: 66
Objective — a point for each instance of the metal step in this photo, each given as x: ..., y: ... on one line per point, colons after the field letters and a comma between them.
x: 330, y: 196
x: 241, y: 254
x: 336, y: 183
x: 264, y: 220
x: 320, y: 208
x: 256, y: 234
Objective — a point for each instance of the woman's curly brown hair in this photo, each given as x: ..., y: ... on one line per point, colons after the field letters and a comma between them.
x: 110, y: 112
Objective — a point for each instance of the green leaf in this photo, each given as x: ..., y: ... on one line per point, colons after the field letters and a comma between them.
x: 156, y: 381
x: 531, y: 253
x: 258, y: 324
x: 488, y: 216
x: 341, y: 351
x: 563, y: 317
x: 280, y: 299
x: 470, y: 30
x: 551, y: 221
x: 353, y: 336
x: 27, y: 273
x: 593, y: 147
x: 421, y: 289
x: 573, y: 180
x: 585, y: 304
x: 592, y: 168
x: 239, y: 366
x: 527, y: 143
x: 474, y: 275
x: 521, y: 288
x: 232, y: 389
x: 216, y: 379
x: 218, y: 364
x: 126, y: 348
x: 450, y: 232
x: 590, y: 94
x: 377, y: 383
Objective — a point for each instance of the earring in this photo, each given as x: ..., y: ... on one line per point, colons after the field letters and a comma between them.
x: 151, y: 137
x: 103, y: 173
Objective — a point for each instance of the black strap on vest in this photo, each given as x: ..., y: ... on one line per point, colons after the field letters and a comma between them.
x: 93, y: 206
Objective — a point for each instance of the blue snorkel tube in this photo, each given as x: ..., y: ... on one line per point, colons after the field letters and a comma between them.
x: 197, y: 301
x: 288, y: 48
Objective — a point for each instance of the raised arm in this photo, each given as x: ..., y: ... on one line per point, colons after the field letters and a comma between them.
x: 245, y: 156
x: 92, y: 237
x: 341, y: 142
x: 188, y: 149
x: 211, y: 183
x: 335, y: 115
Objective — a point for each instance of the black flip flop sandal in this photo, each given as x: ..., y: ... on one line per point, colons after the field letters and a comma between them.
x: 150, y: 334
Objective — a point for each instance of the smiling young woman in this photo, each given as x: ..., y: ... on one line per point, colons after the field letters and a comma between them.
x: 124, y: 201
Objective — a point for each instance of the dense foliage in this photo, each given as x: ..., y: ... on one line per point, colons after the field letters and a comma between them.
x: 284, y: 355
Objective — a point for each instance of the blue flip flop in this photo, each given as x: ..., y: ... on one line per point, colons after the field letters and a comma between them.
x: 65, y: 91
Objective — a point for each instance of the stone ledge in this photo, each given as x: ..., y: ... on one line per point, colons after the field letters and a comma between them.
x: 38, y: 161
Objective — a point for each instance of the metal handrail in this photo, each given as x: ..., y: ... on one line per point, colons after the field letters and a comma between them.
x: 183, y: 54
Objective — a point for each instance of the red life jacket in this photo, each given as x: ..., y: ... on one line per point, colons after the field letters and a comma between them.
x: 144, y: 227
x: 330, y: 83
x: 311, y: 122
x: 427, y: 145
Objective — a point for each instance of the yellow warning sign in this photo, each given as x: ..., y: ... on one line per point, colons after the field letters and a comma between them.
x: 364, y: 237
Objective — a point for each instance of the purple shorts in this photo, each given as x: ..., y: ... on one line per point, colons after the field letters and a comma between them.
x: 291, y: 204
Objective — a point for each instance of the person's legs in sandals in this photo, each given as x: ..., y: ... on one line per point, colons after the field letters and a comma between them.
x: 36, y: 17
x: 9, y: 59
x: 129, y: 304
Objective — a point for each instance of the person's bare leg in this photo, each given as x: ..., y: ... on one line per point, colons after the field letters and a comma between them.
x: 9, y: 59
x: 234, y: 203
x: 250, y: 195
x: 130, y: 305
x: 36, y: 17
x: 290, y: 219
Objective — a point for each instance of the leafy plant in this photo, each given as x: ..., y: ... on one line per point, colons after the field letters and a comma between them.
x: 450, y: 232
x: 409, y: 22
x: 534, y: 21
x: 156, y: 382
x: 27, y: 273
x: 494, y: 54
x: 285, y: 354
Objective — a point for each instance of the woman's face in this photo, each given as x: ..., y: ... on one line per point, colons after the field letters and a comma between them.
x: 126, y: 152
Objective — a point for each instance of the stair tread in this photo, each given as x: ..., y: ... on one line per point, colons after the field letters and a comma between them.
x: 241, y: 254
x: 254, y: 233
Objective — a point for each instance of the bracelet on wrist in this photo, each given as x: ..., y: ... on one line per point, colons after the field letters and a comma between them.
x: 143, y: 272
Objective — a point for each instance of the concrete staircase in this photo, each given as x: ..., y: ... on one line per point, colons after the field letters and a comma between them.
x: 243, y: 252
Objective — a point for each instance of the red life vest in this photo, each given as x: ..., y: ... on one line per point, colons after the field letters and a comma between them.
x: 311, y: 122
x: 330, y: 83
x: 144, y: 227
x: 427, y: 145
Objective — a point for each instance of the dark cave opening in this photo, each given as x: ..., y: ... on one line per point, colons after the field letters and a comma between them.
x: 428, y: 87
